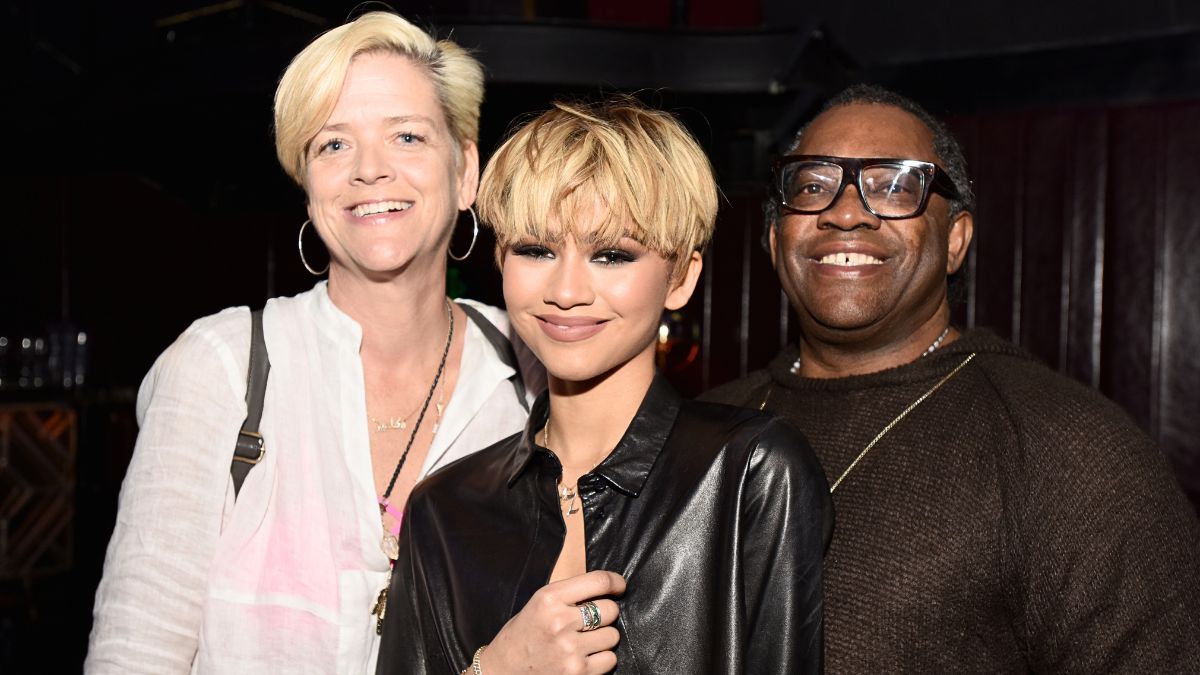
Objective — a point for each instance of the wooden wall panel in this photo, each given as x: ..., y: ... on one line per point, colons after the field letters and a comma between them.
x: 1084, y: 223
x: 994, y: 161
x: 726, y: 292
x: 1042, y: 254
x: 1128, y: 354
x: 1179, y: 399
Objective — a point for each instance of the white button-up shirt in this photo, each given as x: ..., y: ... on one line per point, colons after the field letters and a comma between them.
x: 285, y: 581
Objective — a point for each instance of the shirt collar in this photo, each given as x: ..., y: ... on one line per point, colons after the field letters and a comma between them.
x: 628, y: 466
x: 332, y: 321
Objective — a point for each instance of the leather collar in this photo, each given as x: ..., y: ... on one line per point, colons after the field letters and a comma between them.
x: 628, y: 465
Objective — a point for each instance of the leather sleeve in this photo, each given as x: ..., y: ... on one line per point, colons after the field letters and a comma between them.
x: 410, y: 643
x: 786, y: 513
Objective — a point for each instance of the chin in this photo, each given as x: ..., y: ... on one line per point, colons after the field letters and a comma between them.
x: 384, y: 263
x: 576, y: 370
x: 846, y: 313
x: 847, y: 320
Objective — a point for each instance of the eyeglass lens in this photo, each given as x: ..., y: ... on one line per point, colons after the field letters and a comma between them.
x: 889, y: 190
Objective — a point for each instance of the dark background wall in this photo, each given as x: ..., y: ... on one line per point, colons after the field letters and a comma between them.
x: 140, y: 192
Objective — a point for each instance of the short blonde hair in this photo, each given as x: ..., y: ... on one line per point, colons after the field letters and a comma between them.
x: 640, y: 165
x: 311, y: 84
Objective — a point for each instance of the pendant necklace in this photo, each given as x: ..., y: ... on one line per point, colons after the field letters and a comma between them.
x: 390, y: 542
x: 566, y: 494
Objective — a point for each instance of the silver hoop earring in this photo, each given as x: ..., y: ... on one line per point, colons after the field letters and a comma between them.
x: 474, y: 236
x: 300, y: 247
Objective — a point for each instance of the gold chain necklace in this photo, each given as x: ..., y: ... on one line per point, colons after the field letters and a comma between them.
x: 912, y: 406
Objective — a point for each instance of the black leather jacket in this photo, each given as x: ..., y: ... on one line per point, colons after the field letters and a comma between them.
x: 716, y: 516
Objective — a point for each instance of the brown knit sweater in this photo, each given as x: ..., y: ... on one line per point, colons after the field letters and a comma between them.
x: 1015, y: 521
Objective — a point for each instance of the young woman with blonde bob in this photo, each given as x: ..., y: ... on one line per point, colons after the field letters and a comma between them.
x: 625, y: 526
x: 376, y: 379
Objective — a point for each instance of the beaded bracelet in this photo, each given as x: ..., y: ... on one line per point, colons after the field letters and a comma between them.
x: 476, y: 668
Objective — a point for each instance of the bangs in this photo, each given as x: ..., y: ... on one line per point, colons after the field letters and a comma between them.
x: 580, y: 214
x: 600, y: 173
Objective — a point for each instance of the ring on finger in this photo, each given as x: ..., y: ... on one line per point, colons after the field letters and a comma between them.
x: 590, y: 614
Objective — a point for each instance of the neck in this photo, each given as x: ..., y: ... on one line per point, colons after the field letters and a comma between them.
x: 847, y: 355
x: 403, y: 319
x: 589, y: 418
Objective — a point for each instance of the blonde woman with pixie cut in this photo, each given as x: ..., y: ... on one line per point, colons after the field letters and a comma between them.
x: 624, y: 526
x: 375, y: 380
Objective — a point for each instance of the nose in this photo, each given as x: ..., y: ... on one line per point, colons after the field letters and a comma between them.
x: 570, y: 284
x: 848, y: 212
x: 370, y: 166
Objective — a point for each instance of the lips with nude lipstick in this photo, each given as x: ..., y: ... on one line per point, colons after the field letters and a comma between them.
x: 570, y: 328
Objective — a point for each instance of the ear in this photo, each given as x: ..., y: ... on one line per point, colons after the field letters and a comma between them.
x: 468, y: 178
x: 962, y: 230
x: 682, y: 291
x: 774, y: 227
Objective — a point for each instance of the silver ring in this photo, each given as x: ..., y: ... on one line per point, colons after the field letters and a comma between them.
x: 591, y: 616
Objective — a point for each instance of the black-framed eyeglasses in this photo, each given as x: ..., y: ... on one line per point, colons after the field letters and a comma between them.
x: 888, y: 187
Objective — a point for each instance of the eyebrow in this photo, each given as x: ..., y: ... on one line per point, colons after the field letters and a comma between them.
x: 390, y: 121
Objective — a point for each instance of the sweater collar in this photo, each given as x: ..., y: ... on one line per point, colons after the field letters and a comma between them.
x: 628, y: 466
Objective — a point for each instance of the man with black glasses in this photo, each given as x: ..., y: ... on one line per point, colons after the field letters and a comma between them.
x: 992, y: 516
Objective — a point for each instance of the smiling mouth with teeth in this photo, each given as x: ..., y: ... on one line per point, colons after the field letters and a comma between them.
x: 849, y: 259
x: 379, y: 207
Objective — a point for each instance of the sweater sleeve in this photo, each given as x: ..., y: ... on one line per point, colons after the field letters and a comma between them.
x: 148, y: 605
x: 1107, y: 547
x: 786, y: 512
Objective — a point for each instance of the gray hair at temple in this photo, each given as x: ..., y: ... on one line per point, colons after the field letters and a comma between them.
x: 949, y: 153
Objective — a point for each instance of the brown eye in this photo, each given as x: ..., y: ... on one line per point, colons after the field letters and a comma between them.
x: 613, y: 256
x: 535, y: 251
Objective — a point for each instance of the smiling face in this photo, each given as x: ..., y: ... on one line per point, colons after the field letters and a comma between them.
x: 385, y: 179
x: 855, y: 277
x: 589, y: 308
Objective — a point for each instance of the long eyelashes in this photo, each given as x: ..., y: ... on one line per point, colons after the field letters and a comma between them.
x: 613, y: 256
x: 530, y: 250
x: 608, y: 257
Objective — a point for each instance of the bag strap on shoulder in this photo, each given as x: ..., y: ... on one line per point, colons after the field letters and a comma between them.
x: 503, y: 347
x: 251, y: 448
